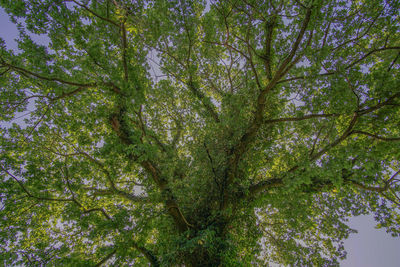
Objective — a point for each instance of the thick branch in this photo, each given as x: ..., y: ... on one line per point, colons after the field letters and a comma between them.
x: 124, y: 48
x: 212, y: 165
x: 94, y: 13
x: 117, y: 192
x: 170, y: 202
x: 71, y: 93
x: 315, y: 186
x: 378, y: 106
x: 98, y: 209
x: 298, y: 57
x: 376, y: 136
x: 106, y: 258
x: 345, y: 134
x: 255, y: 125
x: 306, y: 117
x: 29, y: 194
x: 264, y: 185
x: 370, y: 53
x: 50, y: 79
x: 359, y: 36
x: 179, y: 129
x: 102, y: 167
x: 275, y: 182
x: 204, y: 100
x: 148, y: 254
x: 250, y: 59
x: 303, y: 77
x: 296, y: 44
x: 102, y: 210
x: 370, y: 188
x: 269, y: 29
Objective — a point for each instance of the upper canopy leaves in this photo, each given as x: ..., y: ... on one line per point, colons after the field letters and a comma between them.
x: 198, y: 133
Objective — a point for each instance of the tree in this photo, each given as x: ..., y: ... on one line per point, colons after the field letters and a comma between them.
x: 221, y: 133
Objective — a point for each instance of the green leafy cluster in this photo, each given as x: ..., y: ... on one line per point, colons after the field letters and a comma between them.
x: 197, y: 133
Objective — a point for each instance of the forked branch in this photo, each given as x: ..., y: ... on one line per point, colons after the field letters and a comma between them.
x: 239, y: 149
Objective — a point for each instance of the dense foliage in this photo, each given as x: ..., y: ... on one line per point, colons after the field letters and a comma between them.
x: 220, y: 133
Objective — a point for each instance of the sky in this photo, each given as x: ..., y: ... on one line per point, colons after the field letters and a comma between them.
x: 370, y: 247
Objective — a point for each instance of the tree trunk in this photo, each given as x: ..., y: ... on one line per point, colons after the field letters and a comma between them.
x: 208, y: 251
x: 202, y: 258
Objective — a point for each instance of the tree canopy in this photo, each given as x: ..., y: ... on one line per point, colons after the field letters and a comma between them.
x: 197, y: 133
